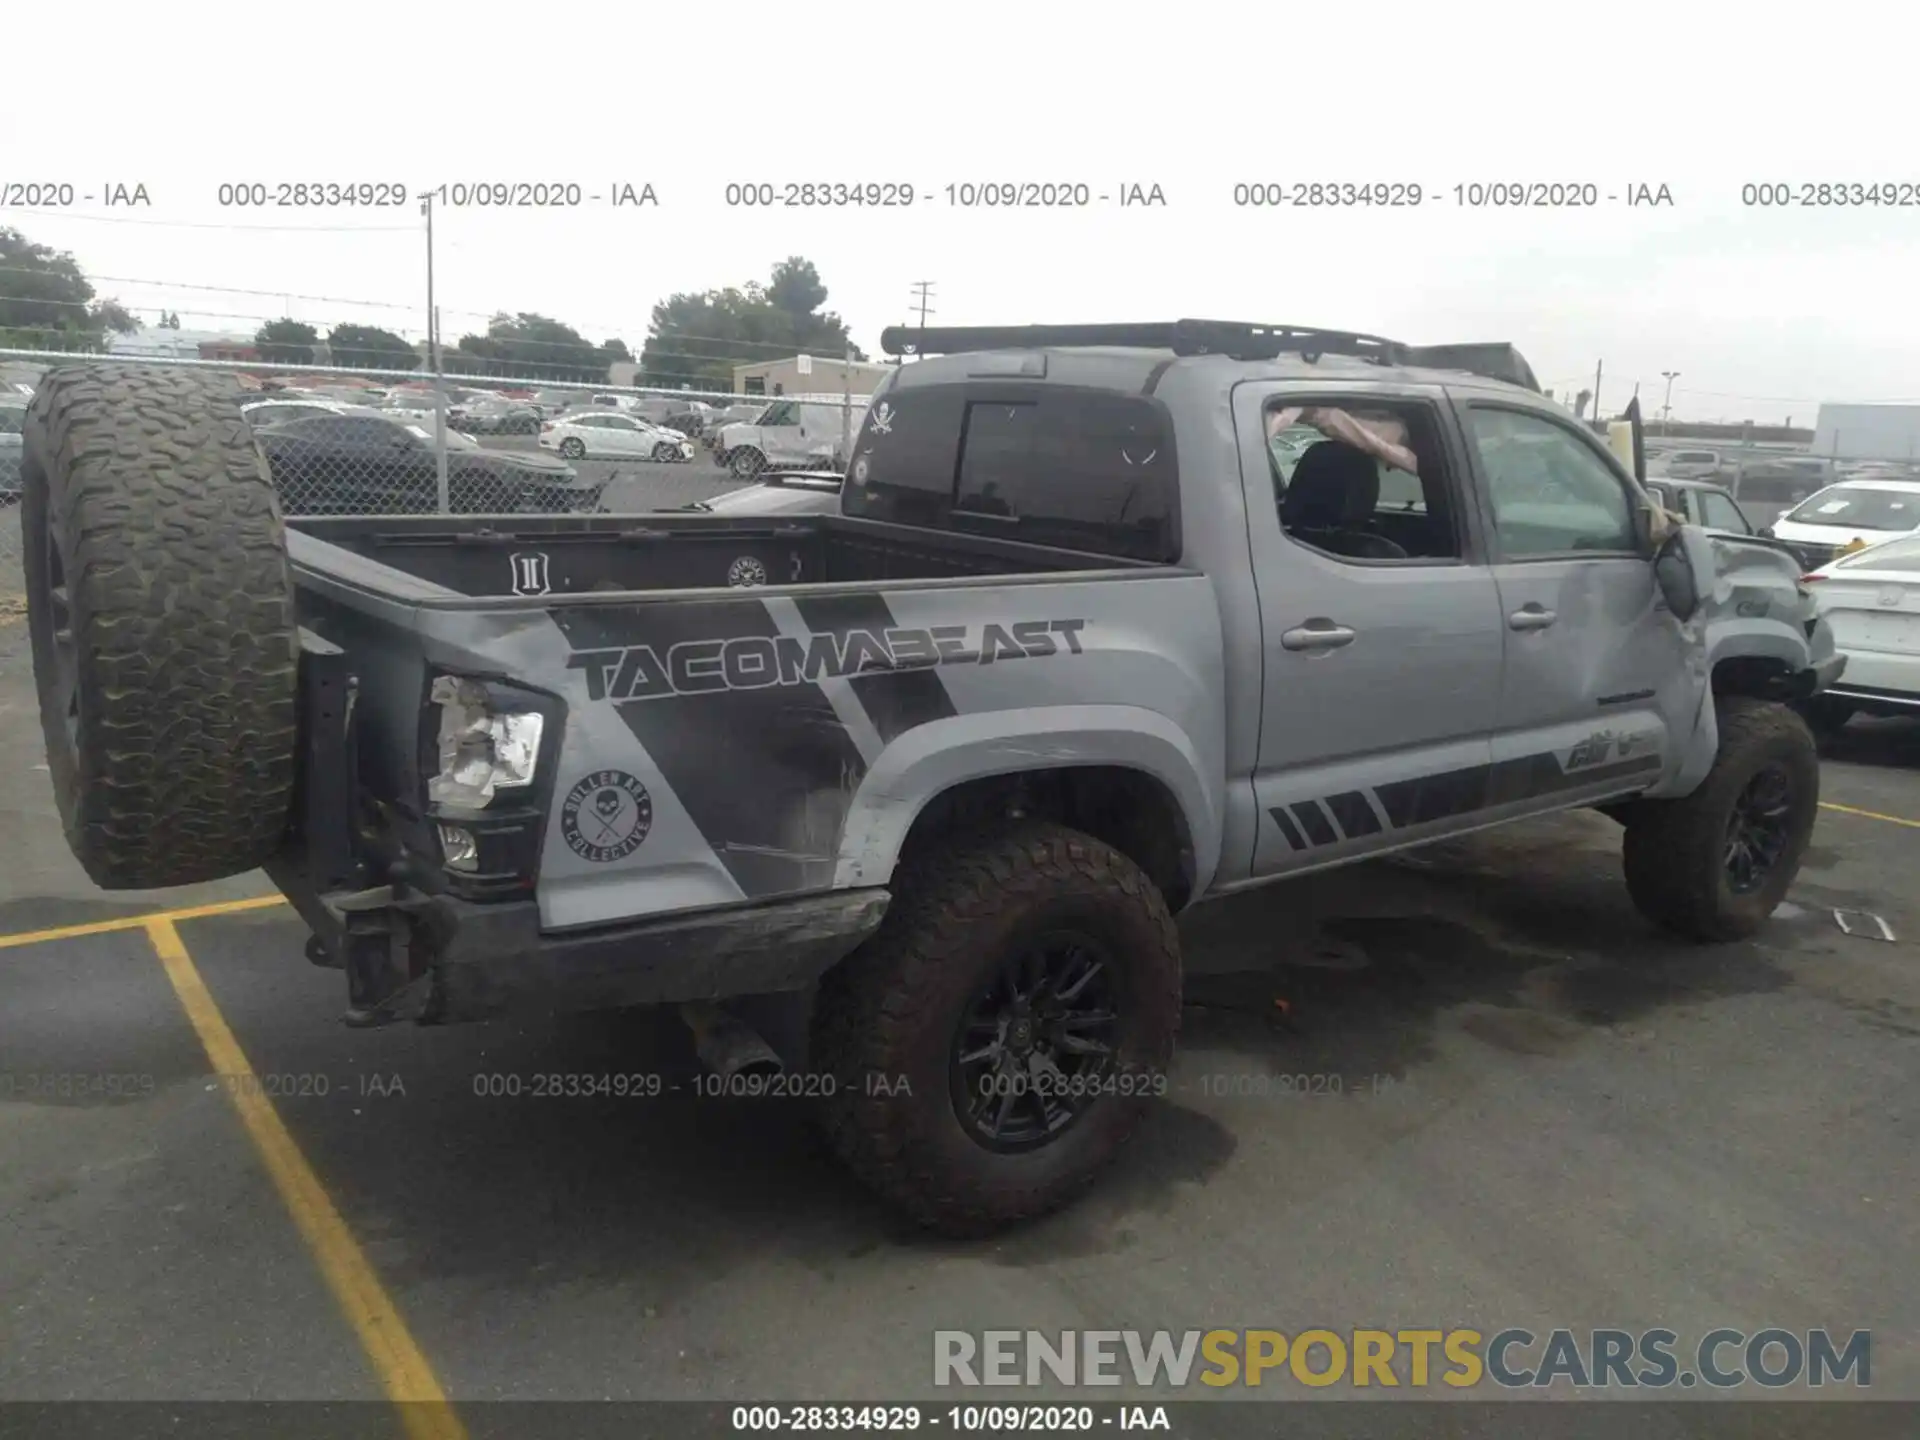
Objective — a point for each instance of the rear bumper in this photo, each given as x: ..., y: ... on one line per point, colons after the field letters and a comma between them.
x: 411, y: 949
x: 436, y: 959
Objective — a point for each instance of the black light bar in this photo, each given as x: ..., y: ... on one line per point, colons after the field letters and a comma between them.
x: 1236, y: 339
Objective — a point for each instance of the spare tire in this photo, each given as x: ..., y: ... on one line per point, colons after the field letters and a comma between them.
x: 161, y: 613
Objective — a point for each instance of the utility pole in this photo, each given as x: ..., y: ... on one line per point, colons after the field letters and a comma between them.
x: 922, y: 293
x: 1598, y: 365
x: 1666, y: 405
x: 442, y: 492
x: 846, y: 408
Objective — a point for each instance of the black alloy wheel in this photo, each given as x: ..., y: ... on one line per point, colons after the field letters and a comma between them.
x: 1035, y: 1042
x: 1759, y: 829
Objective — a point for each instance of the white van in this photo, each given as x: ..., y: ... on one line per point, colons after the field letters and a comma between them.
x: 792, y: 435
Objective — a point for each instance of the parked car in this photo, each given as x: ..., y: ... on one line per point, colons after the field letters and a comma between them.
x: 1688, y: 464
x: 689, y: 418
x: 789, y: 434
x: 1711, y: 507
x: 603, y: 433
x: 1782, y: 480
x: 1871, y: 598
x: 737, y: 413
x: 276, y: 411
x: 415, y: 407
x: 938, y: 772
x: 13, y: 410
x: 778, y: 492
x: 495, y: 417
x: 372, y: 465
x: 1850, y: 514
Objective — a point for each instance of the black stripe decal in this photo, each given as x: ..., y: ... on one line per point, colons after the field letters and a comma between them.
x: 1450, y: 794
x: 1312, y: 820
x: 1287, y: 827
x: 1433, y: 797
x: 745, y: 763
x: 1355, y: 815
x: 895, y: 700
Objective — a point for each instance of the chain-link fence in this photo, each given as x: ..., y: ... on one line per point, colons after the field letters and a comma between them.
x: 346, y: 442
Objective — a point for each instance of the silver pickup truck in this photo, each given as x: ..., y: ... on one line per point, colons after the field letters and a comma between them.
x: 1110, y: 621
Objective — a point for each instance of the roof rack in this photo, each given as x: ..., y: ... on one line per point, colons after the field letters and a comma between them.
x: 1239, y: 340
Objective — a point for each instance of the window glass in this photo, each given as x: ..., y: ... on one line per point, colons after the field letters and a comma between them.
x: 1087, y: 470
x: 1551, y: 492
x: 1720, y: 513
x: 1862, y: 507
x: 1360, y: 482
x: 1890, y: 555
x: 1081, y: 469
x: 786, y: 413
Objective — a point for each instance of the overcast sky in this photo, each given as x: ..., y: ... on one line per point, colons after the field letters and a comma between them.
x: 1762, y: 311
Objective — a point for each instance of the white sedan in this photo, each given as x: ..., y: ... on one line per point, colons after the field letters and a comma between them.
x: 1825, y: 525
x: 611, y: 432
x: 1871, y: 598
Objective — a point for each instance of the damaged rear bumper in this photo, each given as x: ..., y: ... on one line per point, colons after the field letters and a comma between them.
x: 437, y: 960
x: 412, y: 950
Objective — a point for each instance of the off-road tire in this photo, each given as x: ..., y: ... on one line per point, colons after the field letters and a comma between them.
x: 175, y: 762
x: 1675, y: 850
x: 890, y: 1012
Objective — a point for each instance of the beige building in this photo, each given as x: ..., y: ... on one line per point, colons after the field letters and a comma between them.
x: 823, y: 377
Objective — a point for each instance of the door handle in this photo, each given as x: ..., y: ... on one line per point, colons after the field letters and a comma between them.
x: 1531, y: 617
x: 1318, y: 635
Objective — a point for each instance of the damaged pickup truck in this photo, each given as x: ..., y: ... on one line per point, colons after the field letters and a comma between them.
x: 1109, y: 621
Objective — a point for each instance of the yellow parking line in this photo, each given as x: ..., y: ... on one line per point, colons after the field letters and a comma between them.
x: 403, y: 1370
x: 1870, y: 814
x: 139, y: 922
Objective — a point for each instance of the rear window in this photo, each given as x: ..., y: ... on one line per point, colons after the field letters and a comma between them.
x: 1861, y: 507
x: 1088, y: 470
x: 1891, y: 555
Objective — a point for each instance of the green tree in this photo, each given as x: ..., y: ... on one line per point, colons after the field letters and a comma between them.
x: 530, y: 347
x: 697, y: 338
x: 367, y: 347
x: 49, y: 304
x: 289, y: 342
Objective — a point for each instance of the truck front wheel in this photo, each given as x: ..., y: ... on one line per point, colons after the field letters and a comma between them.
x: 1000, y: 1037
x: 1715, y: 864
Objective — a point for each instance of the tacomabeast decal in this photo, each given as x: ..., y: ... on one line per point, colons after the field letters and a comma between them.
x: 754, y: 662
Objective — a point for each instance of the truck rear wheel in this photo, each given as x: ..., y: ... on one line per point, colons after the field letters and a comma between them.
x: 1000, y: 1037
x: 160, y: 610
x: 1715, y: 864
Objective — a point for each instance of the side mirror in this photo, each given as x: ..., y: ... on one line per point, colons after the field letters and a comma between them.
x: 1673, y: 572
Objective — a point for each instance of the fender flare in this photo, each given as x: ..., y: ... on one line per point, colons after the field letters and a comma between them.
x: 931, y: 759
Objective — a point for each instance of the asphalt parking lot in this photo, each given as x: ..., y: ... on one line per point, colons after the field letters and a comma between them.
x: 1548, y: 1115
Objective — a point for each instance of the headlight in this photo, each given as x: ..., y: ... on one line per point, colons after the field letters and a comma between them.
x: 481, y: 750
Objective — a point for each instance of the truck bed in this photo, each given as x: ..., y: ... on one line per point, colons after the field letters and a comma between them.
x: 505, y: 556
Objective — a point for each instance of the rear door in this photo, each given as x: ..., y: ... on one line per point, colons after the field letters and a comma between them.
x: 1380, y: 674
x: 1597, y: 675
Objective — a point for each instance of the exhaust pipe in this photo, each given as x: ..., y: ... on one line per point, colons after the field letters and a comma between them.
x: 726, y: 1044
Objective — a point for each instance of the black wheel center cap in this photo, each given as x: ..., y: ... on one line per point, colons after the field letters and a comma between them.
x: 1020, y: 1035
